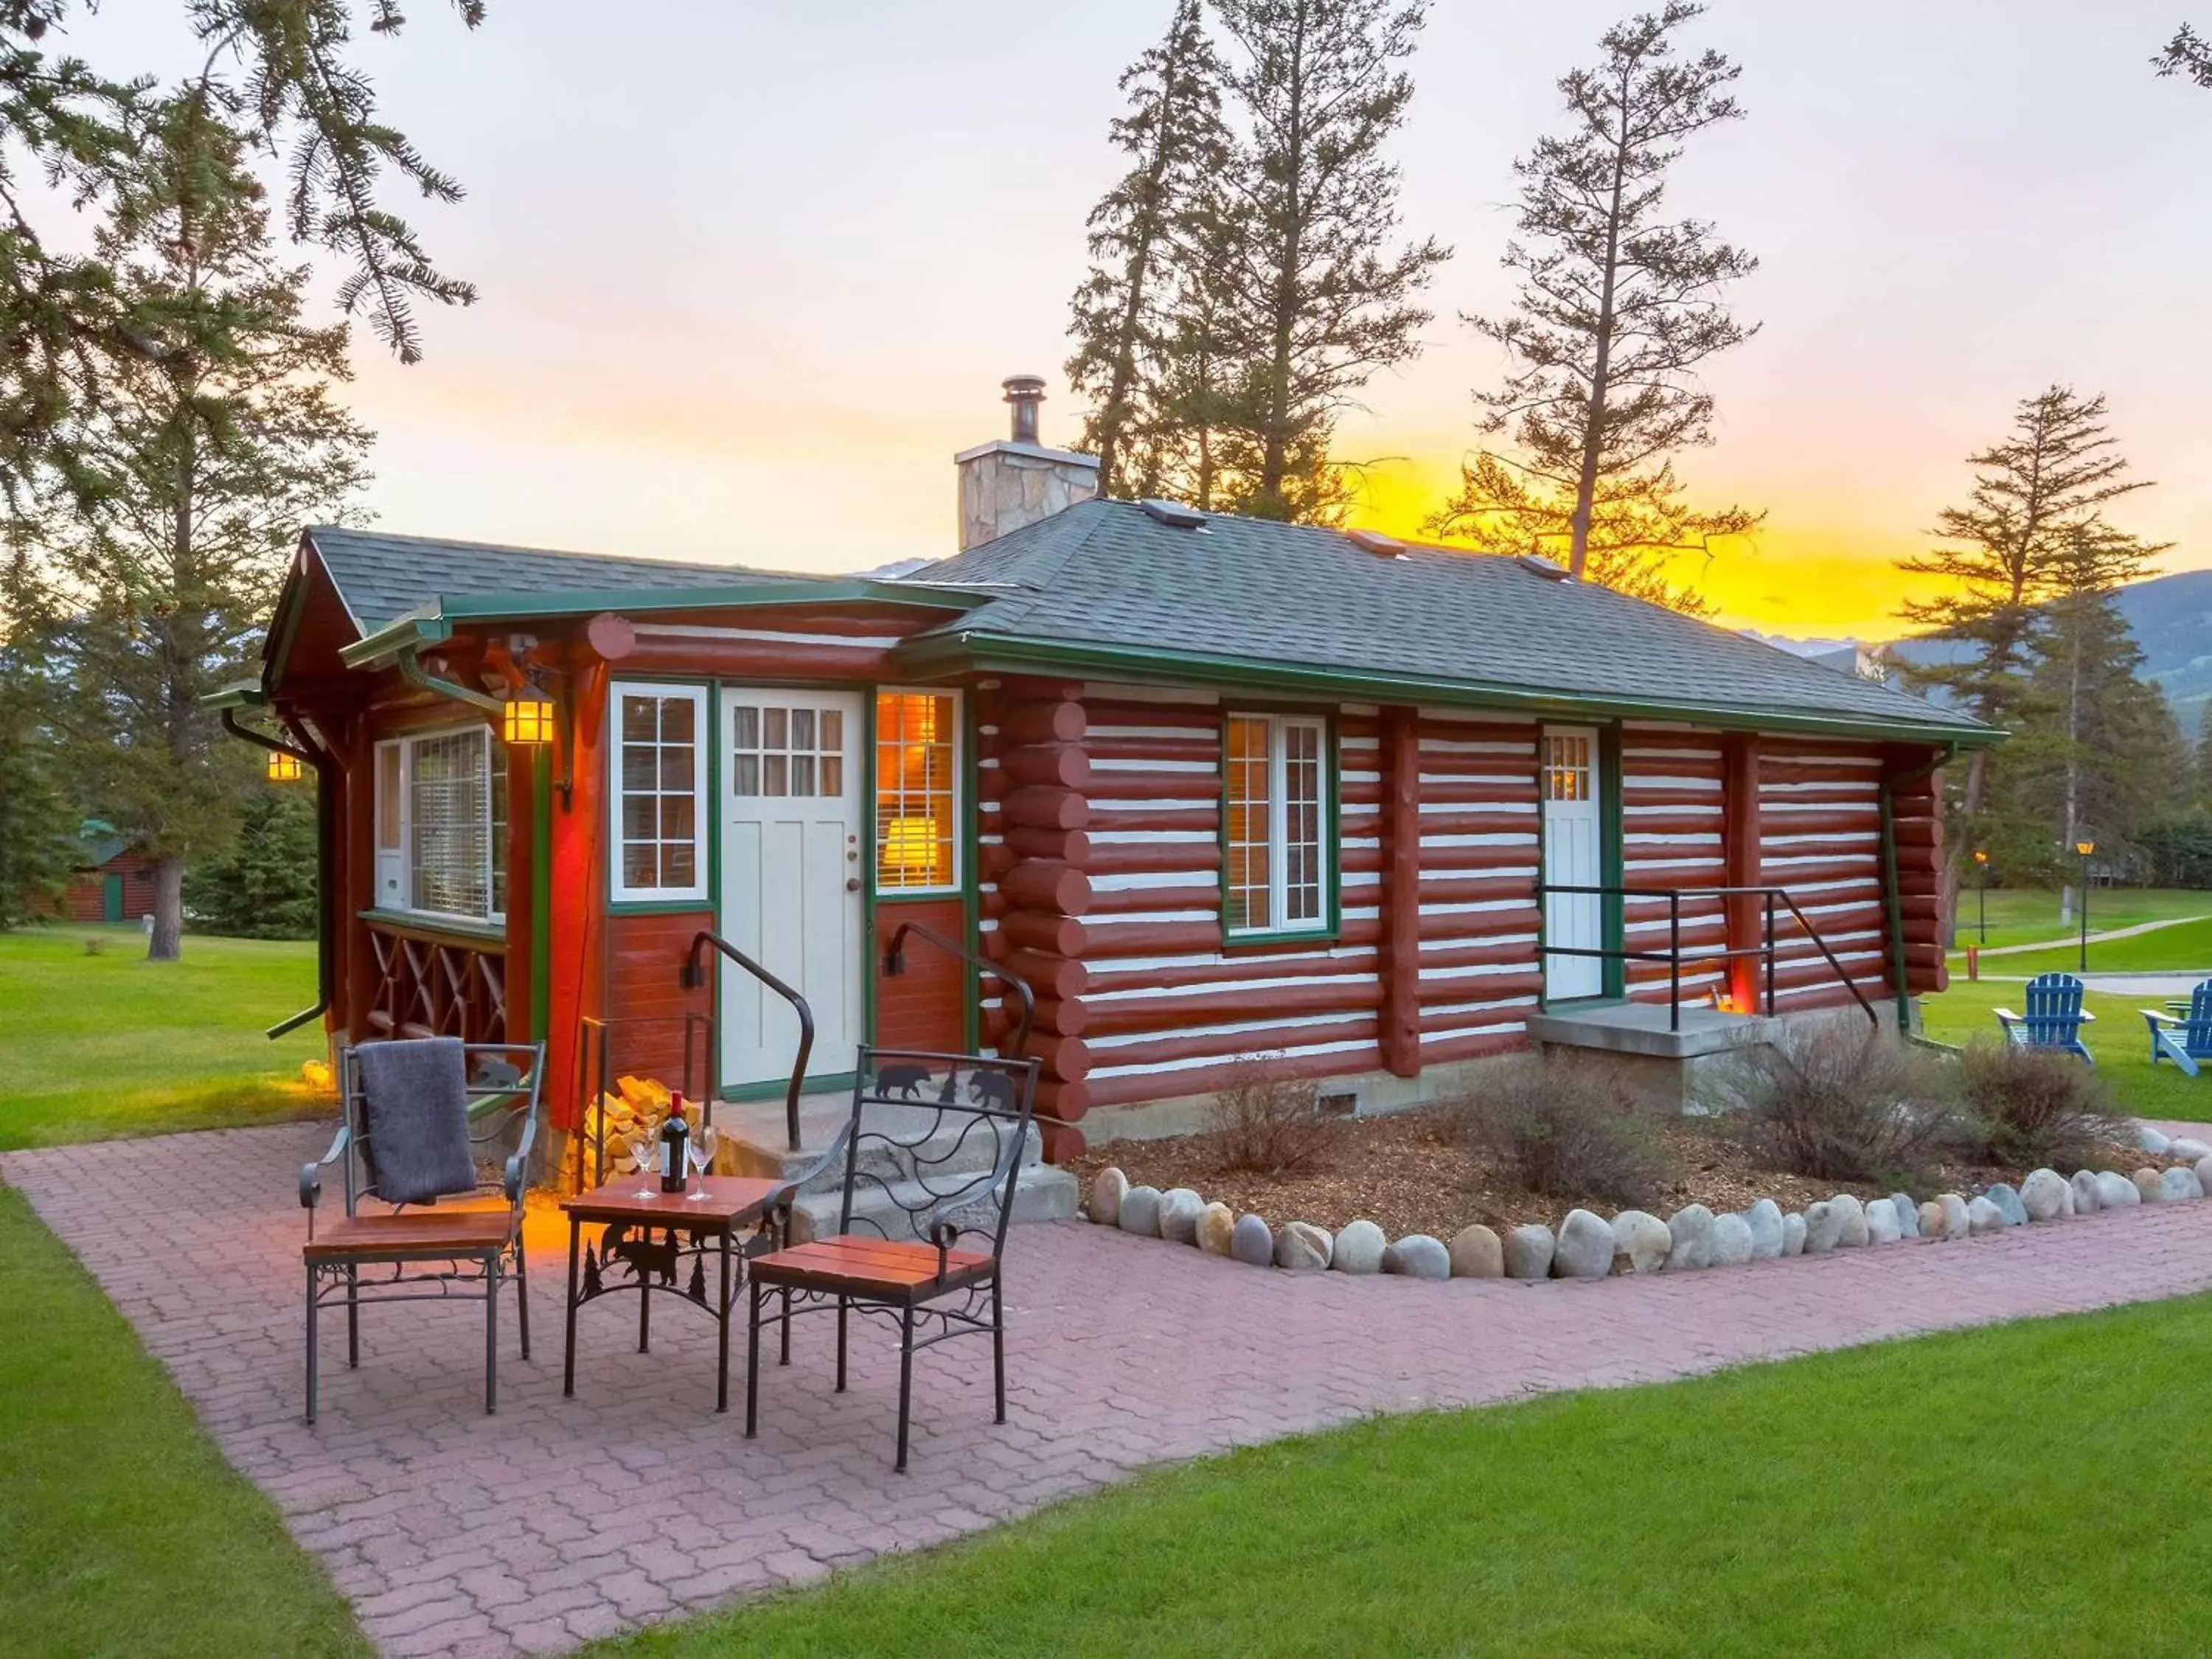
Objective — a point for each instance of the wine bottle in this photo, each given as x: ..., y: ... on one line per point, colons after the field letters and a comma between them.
x: 675, y: 1143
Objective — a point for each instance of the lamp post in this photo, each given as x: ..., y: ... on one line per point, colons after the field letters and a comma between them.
x: 2085, y: 848
x: 1982, y: 891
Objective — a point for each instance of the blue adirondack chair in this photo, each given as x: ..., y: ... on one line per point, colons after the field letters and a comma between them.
x: 2054, y: 1018
x: 2185, y: 1039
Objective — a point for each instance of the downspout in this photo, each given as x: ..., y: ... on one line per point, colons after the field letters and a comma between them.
x: 323, y: 941
x: 422, y: 679
x: 1892, y: 901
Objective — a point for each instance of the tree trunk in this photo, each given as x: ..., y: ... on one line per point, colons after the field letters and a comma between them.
x: 1956, y: 847
x: 1601, y: 363
x: 166, y: 942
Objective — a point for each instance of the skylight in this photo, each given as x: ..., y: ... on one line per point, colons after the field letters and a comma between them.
x: 1174, y: 514
x: 1375, y: 542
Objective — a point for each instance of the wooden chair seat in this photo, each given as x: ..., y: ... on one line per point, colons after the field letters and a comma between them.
x: 900, y: 1271
x: 426, y: 1234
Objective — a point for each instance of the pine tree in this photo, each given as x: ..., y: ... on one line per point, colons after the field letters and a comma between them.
x: 2089, y: 659
x: 2189, y: 54
x: 1618, y: 305
x: 285, y: 68
x: 207, y: 456
x: 2009, y: 553
x: 263, y: 887
x: 1141, y: 234
x: 1316, y: 292
x: 37, y: 847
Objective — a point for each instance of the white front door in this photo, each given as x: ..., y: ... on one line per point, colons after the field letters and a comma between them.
x: 791, y: 894
x: 1568, y: 778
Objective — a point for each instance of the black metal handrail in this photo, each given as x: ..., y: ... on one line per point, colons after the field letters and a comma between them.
x: 895, y: 964
x: 694, y: 976
x: 1673, y: 956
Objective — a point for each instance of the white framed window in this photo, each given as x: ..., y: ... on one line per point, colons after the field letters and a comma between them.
x: 917, y: 790
x: 657, y: 755
x: 1275, y: 813
x: 441, y: 824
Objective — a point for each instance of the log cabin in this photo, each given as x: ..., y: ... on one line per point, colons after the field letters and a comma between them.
x: 1214, y: 788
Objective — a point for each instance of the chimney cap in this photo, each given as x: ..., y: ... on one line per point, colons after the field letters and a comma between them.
x: 1025, y: 393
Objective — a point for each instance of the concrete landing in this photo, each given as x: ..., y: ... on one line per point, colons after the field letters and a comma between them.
x: 1643, y: 1028
x: 1674, y: 1070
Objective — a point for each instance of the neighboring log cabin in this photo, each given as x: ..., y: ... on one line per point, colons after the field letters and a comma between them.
x: 1213, y: 787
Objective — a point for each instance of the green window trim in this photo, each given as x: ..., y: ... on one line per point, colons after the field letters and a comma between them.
x: 1329, y: 927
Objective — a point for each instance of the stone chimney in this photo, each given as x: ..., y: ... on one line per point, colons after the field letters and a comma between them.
x: 1017, y: 481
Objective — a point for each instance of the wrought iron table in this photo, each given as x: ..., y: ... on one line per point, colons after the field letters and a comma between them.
x: 652, y: 1233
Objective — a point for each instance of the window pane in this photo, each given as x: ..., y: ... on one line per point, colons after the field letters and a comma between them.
x: 915, y: 799
x: 802, y: 775
x: 680, y: 865
x: 1302, y: 823
x: 747, y: 724
x: 833, y: 731
x: 778, y: 725
x: 779, y: 771
x: 833, y: 777
x: 448, y: 783
x: 745, y: 777
x: 802, y: 728
x: 660, y: 771
x: 1249, y: 902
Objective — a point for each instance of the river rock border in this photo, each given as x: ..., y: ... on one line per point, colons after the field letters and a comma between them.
x: 1586, y: 1245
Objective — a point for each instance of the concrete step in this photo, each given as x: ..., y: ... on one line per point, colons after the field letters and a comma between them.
x: 1041, y: 1193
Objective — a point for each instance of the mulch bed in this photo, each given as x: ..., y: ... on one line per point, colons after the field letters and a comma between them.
x: 1407, y: 1173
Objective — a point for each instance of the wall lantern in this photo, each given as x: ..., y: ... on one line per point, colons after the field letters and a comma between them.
x: 284, y: 768
x: 528, y: 721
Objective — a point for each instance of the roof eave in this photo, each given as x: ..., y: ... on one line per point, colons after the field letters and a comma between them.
x: 434, y: 622
x: 986, y: 652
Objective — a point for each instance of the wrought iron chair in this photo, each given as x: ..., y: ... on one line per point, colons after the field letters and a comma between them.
x: 913, y: 1152
x: 438, y: 1110
x: 2184, y: 1035
x: 2054, y: 1018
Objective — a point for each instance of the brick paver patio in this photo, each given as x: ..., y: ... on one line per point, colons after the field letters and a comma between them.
x: 556, y: 1521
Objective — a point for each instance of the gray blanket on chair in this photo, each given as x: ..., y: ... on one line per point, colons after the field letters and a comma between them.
x: 415, y: 1098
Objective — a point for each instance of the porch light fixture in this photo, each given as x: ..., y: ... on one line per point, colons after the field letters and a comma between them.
x: 284, y: 768
x: 528, y: 721
x: 2085, y: 848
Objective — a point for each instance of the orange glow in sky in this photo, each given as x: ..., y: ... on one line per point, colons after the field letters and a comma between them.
x: 751, y: 278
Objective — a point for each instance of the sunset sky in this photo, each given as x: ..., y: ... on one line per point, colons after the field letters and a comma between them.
x: 751, y: 273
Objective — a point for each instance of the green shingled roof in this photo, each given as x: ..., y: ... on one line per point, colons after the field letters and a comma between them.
x: 1107, y: 580
x: 383, y: 578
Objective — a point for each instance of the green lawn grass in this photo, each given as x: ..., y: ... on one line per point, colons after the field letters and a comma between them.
x: 122, y: 1530
x: 2185, y: 947
x: 93, y: 1047
x: 2016, y: 1490
x: 2029, y: 916
x: 2118, y: 1039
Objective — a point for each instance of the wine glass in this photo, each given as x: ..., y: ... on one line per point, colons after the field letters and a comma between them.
x: 641, y: 1148
x: 700, y: 1152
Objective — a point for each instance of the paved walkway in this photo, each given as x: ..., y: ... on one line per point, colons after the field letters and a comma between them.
x: 561, y: 1520
x: 1989, y: 951
x: 2162, y: 986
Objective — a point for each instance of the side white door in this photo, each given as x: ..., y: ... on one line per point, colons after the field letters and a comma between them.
x: 791, y: 895
x: 1568, y: 782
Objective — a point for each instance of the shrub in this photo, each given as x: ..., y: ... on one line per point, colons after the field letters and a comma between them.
x: 1838, y: 1101
x: 1562, y: 1130
x: 2026, y: 1107
x: 1268, y: 1122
